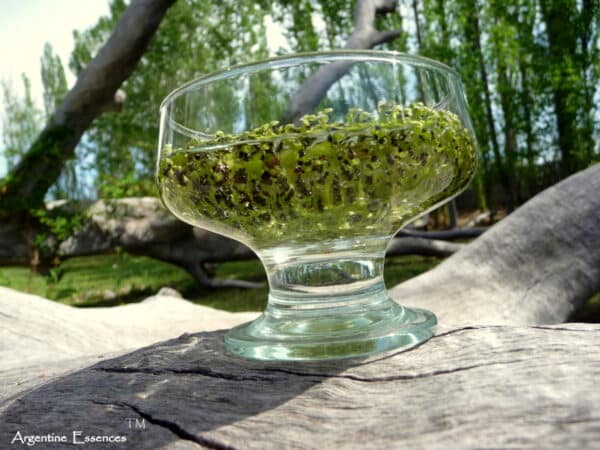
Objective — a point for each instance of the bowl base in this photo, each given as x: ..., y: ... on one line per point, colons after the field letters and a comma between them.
x: 340, y: 333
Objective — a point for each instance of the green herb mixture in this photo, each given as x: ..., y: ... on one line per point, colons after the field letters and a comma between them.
x: 368, y: 174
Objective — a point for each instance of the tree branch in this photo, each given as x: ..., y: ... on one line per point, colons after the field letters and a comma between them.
x: 95, y: 91
x: 364, y: 35
x: 422, y: 246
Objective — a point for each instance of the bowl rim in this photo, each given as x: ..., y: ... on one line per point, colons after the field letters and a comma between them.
x: 291, y: 59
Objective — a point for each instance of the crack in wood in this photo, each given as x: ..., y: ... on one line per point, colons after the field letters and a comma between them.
x: 173, y: 427
x: 484, y: 327
x: 552, y: 328
x: 7, y: 315
x: 195, y: 371
x: 210, y: 373
x: 458, y: 330
x: 397, y: 377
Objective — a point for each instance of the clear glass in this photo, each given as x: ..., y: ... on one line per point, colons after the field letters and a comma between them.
x: 315, y: 161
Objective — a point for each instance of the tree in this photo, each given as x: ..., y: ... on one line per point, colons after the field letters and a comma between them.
x: 21, y: 121
x: 94, y: 92
x: 570, y: 41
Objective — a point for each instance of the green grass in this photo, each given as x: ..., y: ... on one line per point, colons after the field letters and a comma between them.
x: 84, y: 281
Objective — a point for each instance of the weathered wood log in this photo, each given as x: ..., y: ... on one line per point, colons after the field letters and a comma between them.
x: 534, y: 267
x: 534, y: 385
x: 140, y: 226
x: 468, y: 387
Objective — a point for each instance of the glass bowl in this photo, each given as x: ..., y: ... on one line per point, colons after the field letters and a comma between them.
x: 315, y: 161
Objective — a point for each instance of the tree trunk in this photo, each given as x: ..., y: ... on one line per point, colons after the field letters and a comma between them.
x: 527, y: 102
x: 561, y: 29
x: 507, y: 94
x: 415, y: 8
x: 590, y: 11
x: 93, y: 93
x: 473, y: 34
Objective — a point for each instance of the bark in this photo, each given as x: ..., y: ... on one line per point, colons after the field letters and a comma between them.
x: 96, y: 91
x: 364, y: 36
x: 452, y: 214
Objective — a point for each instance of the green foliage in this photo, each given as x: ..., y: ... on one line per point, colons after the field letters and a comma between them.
x: 21, y: 121
x: 59, y: 224
x: 529, y: 71
x: 195, y: 38
x: 56, y: 227
x: 53, y: 79
x: 128, y: 186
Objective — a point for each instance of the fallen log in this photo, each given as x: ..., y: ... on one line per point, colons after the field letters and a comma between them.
x: 42, y: 339
x: 534, y: 267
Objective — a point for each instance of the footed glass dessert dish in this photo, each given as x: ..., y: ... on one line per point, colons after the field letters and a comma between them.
x: 315, y: 161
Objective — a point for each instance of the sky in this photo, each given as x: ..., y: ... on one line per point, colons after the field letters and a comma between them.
x: 26, y: 25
